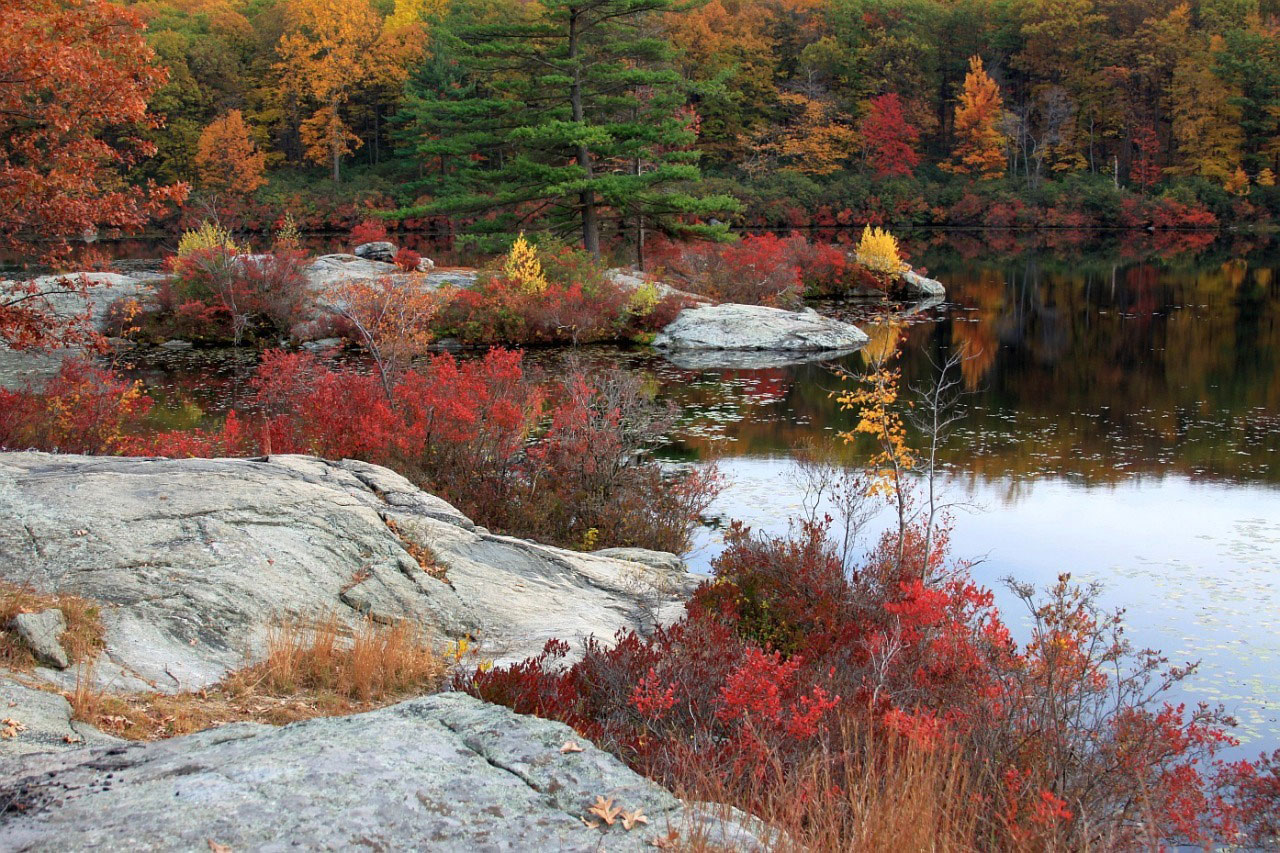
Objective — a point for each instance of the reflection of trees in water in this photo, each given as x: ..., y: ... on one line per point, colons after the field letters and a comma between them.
x: 1080, y: 366
x: 1104, y: 369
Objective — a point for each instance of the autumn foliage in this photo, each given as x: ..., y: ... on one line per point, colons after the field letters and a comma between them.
x: 227, y: 158
x: 980, y: 144
x: 889, y: 139
x: 559, y: 461
x: 75, y: 78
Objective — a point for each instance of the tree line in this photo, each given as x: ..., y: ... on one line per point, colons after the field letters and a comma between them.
x: 583, y: 115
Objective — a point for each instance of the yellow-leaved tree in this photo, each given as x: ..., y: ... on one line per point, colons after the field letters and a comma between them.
x: 227, y: 158
x: 523, y: 268
x: 878, y: 251
x: 1206, y: 117
x: 325, y: 53
x: 980, y: 144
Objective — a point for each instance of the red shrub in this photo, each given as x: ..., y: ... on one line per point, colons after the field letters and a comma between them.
x: 83, y: 409
x: 407, y: 259
x: 215, y: 292
x: 786, y: 650
x: 368, y: 231
x: 579, y: 305
x: 759, y: 269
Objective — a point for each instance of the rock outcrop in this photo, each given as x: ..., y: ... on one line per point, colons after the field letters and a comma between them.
x: 40, y: 632
x: 75, y: 297
x: 710, y: 330
x: 632, y: 280
x: 195, y: 559
x: 917, y: 286
x: 40, y: 721
x: 378, y: 250
x: 445, y: 772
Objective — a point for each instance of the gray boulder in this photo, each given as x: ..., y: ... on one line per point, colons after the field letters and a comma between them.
x: 710, y: 359
x: 445, y: 772
x: 42, y: 634
x: 194, y: 560
x: 664, y: 560
x: 40, y: 721
x: 327, y: 271
x: 632, y: 280
x: 757, y: 327
x: 379, y: 250
x: 919, y: 287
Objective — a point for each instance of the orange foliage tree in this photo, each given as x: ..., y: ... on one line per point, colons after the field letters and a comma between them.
x: 227, y: 158
x: 980, y: 145
x: 816, y: 142
x: 326, y: 53
x: 75, y: 77
x: 393, y: 319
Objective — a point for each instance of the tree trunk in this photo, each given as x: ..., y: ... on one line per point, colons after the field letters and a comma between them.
x: 587, y: 198
x: 335, y: 143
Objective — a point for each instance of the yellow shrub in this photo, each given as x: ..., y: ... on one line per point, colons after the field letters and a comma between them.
x: 523, y: 267
x: 878, y: 251
x: 644, y: 299
x: 209, y: 235
x: 288, y: 236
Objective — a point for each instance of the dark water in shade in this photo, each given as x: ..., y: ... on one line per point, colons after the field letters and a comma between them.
x: 1123, y: 425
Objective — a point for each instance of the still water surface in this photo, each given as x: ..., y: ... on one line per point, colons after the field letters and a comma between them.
x: 1122, y: 423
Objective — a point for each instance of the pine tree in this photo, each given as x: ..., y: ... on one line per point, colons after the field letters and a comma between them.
x: 227, y: 159
x: 980, y: 146
x: 562, y: 112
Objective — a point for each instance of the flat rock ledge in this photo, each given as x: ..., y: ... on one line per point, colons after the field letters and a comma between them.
x: 445, y: 772
x: 194, y: 560
x: 731, y: 328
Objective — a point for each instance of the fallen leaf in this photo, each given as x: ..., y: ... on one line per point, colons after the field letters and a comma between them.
x: 605, y: 810
x: 570, y: 746
x: 665, y: 842
x: 215, y: 847
x: 11, y: 728
x: 590, y: 824
x: 630, y: 819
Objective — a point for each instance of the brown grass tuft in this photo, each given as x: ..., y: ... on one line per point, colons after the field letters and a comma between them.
x: 421, y: 553
x: 319, y: 671
x: 863, y: 794
x: 82, y: 639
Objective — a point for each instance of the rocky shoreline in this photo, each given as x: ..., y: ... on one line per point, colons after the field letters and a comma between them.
x: 702, y: 336
x: 191, y: 562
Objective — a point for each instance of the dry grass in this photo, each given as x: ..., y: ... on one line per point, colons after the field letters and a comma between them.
x: 421, y: 553
x: 865, y: 795
x: 308, y: 672
x: 82, y: 639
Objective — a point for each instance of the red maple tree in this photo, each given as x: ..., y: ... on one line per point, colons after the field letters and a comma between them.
x: 889, y: 138
x: 75, y: 76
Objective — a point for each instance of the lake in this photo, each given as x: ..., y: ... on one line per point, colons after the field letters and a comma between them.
x: 1121, y: 422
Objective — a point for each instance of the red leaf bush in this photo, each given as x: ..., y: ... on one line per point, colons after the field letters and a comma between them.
x: 761, y: 269
x: 218, y: 295
x: 792, y: 682
x: 562, y: 462
x: 407, y: 259
x: 579, y: 305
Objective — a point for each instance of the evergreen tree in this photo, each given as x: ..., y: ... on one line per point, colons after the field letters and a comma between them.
x: 565, y: 112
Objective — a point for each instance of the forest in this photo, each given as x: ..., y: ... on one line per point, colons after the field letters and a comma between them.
x: 606, y: 119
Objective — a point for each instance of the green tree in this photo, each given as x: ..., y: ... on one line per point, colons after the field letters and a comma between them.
x: 566, y: 112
